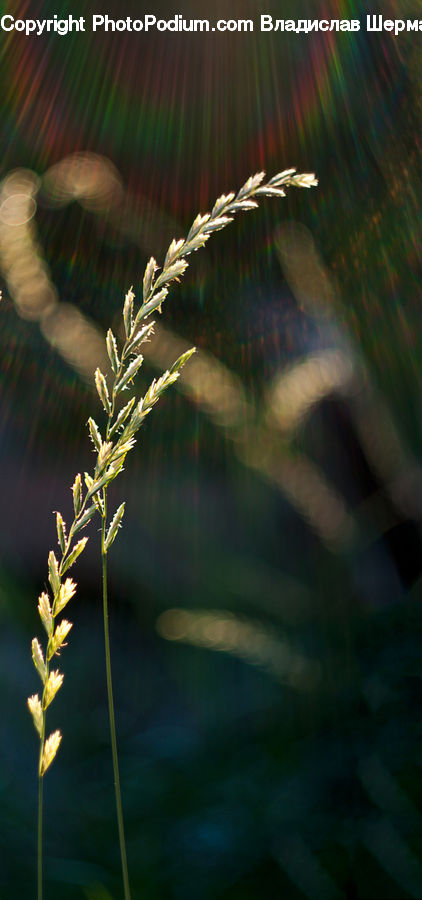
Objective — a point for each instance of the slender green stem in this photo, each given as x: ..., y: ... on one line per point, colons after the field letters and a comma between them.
x: 40, y: 799
x: 40, y: 834
x: 119, y: 810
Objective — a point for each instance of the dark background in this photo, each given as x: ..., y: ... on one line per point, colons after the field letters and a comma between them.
x: 269, y: 726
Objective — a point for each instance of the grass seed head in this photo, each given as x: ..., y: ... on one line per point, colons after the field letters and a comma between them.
x: 67, y: 591
x: 77, y: 494
x: 57, y: 640
x: 53, y: 684
x: 53, y: 573
x: 45, y: 614
x: 51, y: 747
x: 35, y: 708
x: 38, y: 660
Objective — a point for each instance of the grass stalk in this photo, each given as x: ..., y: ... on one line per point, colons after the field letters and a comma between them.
x: 40, y: 838
x: 111, y: 716
x: 123, y: 423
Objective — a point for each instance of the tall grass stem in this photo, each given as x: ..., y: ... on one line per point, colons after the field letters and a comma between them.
x: 122, y: 426
x: 40, y: 836
x: 117, y: 792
